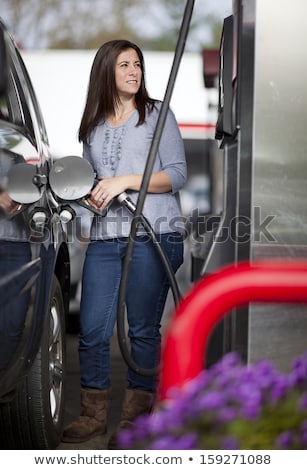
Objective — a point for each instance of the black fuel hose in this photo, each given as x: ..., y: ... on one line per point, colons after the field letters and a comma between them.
x: 121, y: 307
x: 124, y: 199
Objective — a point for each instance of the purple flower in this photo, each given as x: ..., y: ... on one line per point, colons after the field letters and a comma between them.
x: 211, y: 400
x: 299, y: 370
x: 200, y: 382
x: 224, y: 400
x: 228, y: 377
x: 226, y: 414
x: 142, y: 430
x: 279, y: 388
x: 284, y: 440
x: 229, y: 443
x: 166, y: 442
x: 304, y: 426
x: 251, y: 398
x: 185, y: 442
x: 302, y: 405
x: 126, y: 439
x: 229, y: 361
x: 304, y: 439
x: 303, y: 430
x: 251, y: 410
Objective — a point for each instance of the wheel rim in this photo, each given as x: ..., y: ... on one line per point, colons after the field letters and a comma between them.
x: 55, y: 361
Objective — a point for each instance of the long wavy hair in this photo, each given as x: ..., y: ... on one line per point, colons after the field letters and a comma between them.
x: 102, y: 95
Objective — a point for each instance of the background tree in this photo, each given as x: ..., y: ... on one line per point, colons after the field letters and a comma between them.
x: 83, y: 24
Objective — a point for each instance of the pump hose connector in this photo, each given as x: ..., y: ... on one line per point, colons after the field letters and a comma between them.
x: 125, y: 200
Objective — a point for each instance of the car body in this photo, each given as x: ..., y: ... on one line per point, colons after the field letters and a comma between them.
x: 79, y: 237
x: 34, y: 268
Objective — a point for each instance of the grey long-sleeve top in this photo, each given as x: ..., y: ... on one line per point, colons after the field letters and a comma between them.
x: 123, y: 150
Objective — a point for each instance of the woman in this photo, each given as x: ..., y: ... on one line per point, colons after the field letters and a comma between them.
x: 116, y: 130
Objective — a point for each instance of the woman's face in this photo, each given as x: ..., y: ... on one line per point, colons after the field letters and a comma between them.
x: 128, y: 73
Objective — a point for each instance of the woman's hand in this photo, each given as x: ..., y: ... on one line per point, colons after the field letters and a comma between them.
x: 106, y: 190
x: 7, y: 204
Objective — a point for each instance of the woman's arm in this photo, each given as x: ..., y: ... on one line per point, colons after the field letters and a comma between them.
x: 108, y: 188
x: 159, y: 182
x: 172, y: 154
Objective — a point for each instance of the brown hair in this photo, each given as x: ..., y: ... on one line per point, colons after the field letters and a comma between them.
x: 102, y: 95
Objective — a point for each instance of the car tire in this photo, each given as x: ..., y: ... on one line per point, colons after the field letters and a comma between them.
x: 34, y: 419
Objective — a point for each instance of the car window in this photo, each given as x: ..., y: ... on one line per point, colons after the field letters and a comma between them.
x: 34, y: 102
x: 19, y: 100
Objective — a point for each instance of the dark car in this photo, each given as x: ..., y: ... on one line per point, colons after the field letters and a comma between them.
x: 34, y: 268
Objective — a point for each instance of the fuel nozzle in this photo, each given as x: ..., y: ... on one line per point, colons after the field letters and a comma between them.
x: 125, y: 200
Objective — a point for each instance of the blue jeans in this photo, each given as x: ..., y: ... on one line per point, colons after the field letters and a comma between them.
x: 147, y: 290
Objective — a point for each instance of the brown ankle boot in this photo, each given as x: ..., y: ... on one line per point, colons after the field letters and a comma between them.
x: 136, y: 402
x: 93, y: 418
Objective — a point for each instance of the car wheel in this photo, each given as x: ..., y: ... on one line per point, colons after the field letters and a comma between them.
x: 34, y: 419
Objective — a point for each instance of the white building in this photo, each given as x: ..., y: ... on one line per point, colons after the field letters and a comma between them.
x: 60, y: 79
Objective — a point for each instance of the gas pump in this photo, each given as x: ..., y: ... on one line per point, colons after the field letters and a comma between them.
x: 261, y: 132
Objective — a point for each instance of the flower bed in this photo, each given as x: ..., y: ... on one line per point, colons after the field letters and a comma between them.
x: 229, y: 406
